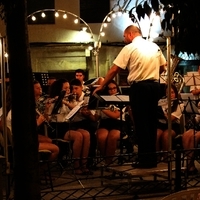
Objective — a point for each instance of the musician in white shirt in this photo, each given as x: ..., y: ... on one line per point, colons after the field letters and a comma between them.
x: 65, y: 129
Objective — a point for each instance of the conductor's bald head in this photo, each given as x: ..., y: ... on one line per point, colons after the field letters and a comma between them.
x: 130, y: 33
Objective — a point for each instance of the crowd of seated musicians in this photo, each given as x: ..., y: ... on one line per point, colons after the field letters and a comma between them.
x: 98, y: 129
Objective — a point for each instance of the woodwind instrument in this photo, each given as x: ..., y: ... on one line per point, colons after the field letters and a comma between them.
x: 45, y: 120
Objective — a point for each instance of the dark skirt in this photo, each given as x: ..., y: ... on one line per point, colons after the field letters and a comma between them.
x: 111, y: 124
x: 175, y: 127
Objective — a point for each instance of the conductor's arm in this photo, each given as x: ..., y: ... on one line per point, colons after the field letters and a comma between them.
x: 114, y: 70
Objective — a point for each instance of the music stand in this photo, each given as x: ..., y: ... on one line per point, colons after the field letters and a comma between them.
x: 190, y: 107
x: 192, y: 79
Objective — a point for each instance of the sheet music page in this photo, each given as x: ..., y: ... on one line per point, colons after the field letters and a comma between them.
x: 124, y: 98
x: 74, y: 110
x: 110, y: 98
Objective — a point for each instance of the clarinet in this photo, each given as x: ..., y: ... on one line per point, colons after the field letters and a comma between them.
x: 45, y: 121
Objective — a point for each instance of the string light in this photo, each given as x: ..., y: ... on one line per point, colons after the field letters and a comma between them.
x: 43, y: 15
x: 108, y: 19
x: 105, y: 25
x: 102, y: 34
x: 6, y: 55
x: 65, y: 16
x: 33, y: 18
x: 113, y: 15
x: 56, y: 14
x: 76, y: 21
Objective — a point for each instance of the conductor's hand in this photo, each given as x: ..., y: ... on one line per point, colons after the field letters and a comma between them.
x: 98, y: 89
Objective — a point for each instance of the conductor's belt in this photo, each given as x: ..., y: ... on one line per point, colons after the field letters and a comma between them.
x: 145, y: 81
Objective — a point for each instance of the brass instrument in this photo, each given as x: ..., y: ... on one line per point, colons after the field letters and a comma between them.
x: 40, y: 108
x: 176, y: 78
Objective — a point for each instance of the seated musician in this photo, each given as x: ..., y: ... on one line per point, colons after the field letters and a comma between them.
x: 85, y: 118
x: 108, y: 132
x: 64, y: 130
x: 191, y: 138
x: 162, y: 126
x: 45, y: 143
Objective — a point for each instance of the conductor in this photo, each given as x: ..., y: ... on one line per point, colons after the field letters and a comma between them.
x: 144, y: 61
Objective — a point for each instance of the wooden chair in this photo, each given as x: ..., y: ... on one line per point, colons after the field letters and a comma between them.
x: 190, y: 194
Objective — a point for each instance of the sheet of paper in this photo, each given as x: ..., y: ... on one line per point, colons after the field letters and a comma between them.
x: 74, y: 110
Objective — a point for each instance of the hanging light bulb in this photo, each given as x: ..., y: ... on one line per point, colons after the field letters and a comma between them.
x: 65, y: 16
x: 76, y: 21
x: 108, y: 19
x: 6, y: 55
x: 33, y: 18
x: 105, y: 25
x: 102, y: 34
x: 43, y: 15
x: 113, y: 15
x: 56, y: 14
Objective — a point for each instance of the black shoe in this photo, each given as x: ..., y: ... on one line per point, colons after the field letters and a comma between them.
x: 144, y: 165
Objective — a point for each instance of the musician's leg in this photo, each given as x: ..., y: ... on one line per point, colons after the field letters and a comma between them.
x: 165, y: 142
x: 43, y: 138
x: 85, y: 146
x: 51, y: 147
x: 102, y: 135
x: 158, y: 143
x: 77, y: 139
x: 111, y: 146
x: 188, y: 143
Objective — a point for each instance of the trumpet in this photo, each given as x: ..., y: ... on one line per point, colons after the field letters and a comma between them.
x: 45, y: 121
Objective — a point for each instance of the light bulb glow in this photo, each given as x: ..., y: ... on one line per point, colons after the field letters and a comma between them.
x: 43, y: 15
x: 76, y: 21
x: 113, y: 15
x: 102, y: 34
x: 33, y: 18
x: 108, y: 19
x: 105, y: 25
x: 56, y: 14
x: 65, y: 16
x: 5, y: 54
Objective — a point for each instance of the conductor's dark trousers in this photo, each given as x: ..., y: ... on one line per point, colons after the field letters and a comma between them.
x: 144, y: 96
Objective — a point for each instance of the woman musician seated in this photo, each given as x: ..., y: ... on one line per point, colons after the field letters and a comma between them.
x: 162, y: 125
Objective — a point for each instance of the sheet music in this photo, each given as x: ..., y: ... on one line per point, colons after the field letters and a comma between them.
x: 162, y: 102
x: 115, y: 98
x: 186, y: 96
x: 74, y: 111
